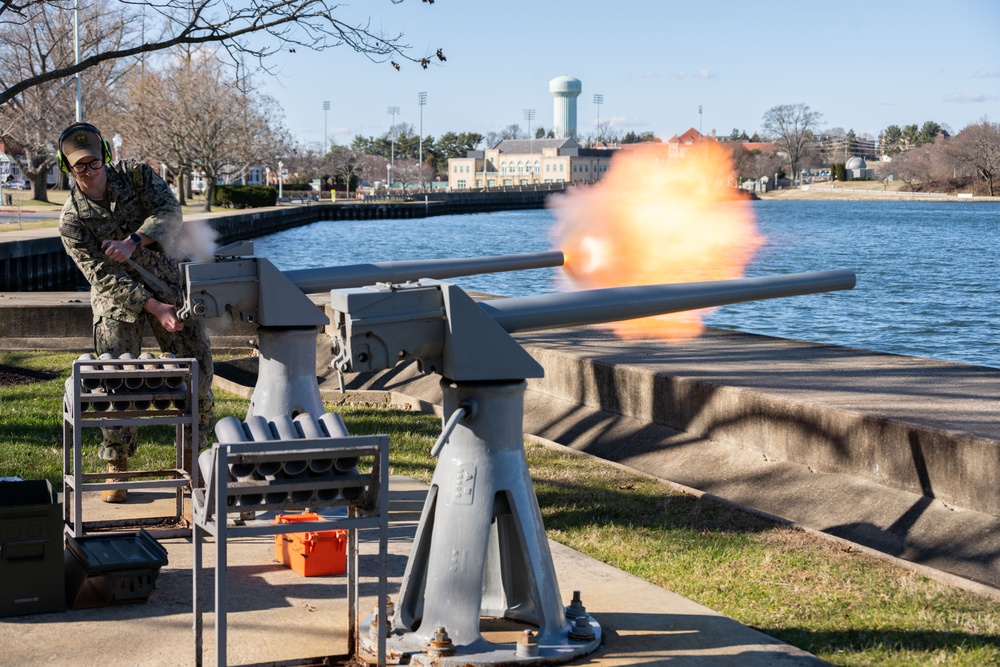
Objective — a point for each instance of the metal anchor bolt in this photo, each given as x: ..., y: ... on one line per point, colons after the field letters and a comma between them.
x: 576, y: 608
x: 527, y: 645
x: 580, y: 630
x: 389, y: 611
x: 440, y: 646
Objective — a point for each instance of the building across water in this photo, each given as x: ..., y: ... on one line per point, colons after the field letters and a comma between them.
x: 527, y: 162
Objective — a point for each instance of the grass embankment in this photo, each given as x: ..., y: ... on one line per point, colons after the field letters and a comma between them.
x: 844, y: 606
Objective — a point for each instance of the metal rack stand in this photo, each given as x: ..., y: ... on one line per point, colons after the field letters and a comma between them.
x: 367, y: 505
x: 128, y: 392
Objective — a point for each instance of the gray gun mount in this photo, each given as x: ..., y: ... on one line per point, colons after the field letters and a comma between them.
x: 251, y: 289
x: 448, y: 333
x: 480, y: 550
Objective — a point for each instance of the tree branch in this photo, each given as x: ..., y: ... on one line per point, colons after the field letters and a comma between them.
x: 307, y: 23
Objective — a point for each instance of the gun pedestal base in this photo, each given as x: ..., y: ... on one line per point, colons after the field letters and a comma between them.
x: 480, y: 551
x: 286, y: 379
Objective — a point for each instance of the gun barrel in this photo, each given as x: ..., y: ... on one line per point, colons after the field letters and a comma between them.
x: 552, y: 311
x: 354, y: 275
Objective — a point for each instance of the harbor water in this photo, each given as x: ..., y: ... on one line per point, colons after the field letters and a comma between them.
x: 928, y: 272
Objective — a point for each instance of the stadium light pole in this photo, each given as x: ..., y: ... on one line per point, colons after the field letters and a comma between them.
x: 599, y: 100
x: 529, y: 115
x: 392, y: 111
x: 326, y: 138
x: 422, y: 101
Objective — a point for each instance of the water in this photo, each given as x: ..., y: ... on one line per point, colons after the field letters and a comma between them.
x: 928, y: 272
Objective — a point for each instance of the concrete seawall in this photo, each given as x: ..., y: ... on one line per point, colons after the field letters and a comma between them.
x: 895, y: 453
x: 38, y: 262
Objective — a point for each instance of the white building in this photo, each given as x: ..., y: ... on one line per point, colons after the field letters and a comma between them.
x: 527, y: 162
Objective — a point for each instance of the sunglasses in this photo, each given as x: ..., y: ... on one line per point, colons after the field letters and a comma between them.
x: 81, y: 167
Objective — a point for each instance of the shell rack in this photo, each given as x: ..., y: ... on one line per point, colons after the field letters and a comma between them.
x: 224, y: 493
x: 128, y: 392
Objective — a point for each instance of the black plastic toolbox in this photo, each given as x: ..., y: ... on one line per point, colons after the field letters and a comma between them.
x: 118, y: 568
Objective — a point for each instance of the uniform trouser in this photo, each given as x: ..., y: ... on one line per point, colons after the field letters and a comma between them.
x: 117, y: 337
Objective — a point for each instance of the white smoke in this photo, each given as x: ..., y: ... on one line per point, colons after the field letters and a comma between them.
x: 196, y: 240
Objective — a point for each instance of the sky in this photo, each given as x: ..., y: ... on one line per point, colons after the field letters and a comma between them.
x: 862, y: 65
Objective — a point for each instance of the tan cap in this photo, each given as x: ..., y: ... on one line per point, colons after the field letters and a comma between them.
x: 81, y: 144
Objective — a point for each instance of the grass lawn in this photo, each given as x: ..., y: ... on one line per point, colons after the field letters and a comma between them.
x: 844, y: 606
x: 22, y: 200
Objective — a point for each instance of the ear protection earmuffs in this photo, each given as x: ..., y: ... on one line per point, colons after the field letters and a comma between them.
x: 75, y: 127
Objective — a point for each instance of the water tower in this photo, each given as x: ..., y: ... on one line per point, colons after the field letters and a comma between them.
x: 564, y: 90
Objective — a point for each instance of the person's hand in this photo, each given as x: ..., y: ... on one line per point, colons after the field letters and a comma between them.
x: 165, y: 313
x: 120, y: 251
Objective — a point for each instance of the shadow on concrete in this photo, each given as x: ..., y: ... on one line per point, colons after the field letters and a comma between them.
x: 681, y: 639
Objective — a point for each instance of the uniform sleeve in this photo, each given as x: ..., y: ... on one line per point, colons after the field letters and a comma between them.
x: 164, y: 220
x: 107, y: 278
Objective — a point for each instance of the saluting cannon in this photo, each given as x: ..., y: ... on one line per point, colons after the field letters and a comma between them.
x: 480, y: 548
x: 251, y: 289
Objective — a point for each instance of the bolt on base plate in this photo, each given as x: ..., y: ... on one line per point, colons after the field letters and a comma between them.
x: 408, y: 648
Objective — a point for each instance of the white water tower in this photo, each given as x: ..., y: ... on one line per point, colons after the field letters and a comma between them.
x: 564, y: 90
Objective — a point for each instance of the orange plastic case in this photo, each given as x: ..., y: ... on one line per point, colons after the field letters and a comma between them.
x: 311, y: 554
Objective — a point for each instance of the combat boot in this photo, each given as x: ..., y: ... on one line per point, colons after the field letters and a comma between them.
x: 116, y: 495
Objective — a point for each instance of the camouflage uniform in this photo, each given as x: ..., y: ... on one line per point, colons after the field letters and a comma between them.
x: 140, y: 201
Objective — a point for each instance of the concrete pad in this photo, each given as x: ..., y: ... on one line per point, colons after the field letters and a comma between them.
x: 276, y: 616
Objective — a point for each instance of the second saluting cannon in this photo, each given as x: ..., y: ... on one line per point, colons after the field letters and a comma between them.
x: 480, y: 550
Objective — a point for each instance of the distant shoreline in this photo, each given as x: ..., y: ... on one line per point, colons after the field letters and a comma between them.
x: 826, y: 192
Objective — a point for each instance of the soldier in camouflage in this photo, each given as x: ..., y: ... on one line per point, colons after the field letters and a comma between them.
x: 120, y: 216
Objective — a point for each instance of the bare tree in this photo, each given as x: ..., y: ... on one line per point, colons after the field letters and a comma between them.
x: 373, y: 167
x: 754, y: 164
x: 194, y: 115
x: 978, y: 146
x: 513, y: 131
x: 253, y: 30
x: 157, y: 124
x: 407, y: 171
x: 346, y: 164
x: 791, y: 128
x: 913, y: 166
x: 33, y: 120
x: 491, y: 139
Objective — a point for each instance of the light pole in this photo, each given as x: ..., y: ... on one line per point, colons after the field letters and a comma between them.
x: 599, y: 100
x: 281, y: 178
x: 529, y: 115
x: 267, y: 176
x: 326, y: 139
x: 76, y: 48
x: 422, y: 101
x: 388, y: 178
x: 392, y: 111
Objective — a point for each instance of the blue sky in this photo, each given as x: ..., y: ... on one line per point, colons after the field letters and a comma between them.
x: 862, y: 65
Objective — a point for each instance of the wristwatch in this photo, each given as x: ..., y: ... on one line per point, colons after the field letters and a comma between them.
x: 135, y: 239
